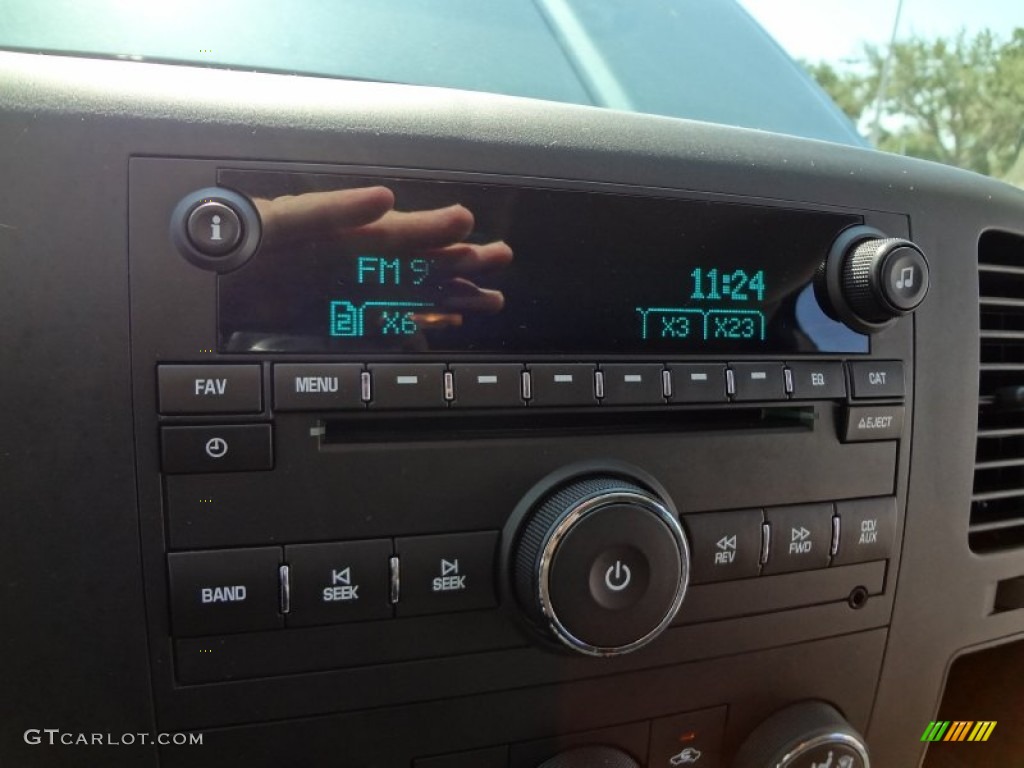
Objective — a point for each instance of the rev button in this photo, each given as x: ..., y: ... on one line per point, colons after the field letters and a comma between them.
x: 209, y: 389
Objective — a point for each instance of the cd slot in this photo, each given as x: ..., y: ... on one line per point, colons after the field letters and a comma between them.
x: 497, y: 425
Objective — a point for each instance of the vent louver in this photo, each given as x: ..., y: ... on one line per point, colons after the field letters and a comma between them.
x: 997, y: 508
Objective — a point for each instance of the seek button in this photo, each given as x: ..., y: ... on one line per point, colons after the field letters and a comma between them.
x: 439, y: 574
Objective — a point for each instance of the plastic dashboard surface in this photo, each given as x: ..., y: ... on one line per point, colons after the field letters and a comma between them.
x: 87, y: 647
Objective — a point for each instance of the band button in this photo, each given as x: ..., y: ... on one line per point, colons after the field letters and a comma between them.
x: 224, y: 591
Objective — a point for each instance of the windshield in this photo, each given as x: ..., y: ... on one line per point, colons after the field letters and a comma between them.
x: 700, y: 59
x: 933, y: 78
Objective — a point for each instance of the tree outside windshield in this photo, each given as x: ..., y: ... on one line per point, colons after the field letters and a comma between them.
x: 934, y: 79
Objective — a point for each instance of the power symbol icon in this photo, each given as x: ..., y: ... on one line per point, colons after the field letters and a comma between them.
x: 618, y: 576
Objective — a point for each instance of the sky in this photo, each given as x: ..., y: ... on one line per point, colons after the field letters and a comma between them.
x: 834, y: 30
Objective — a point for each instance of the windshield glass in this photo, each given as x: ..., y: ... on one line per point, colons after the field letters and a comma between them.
x: 900, y: 75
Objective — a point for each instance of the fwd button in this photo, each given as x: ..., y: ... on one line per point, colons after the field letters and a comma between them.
x: 800, y: 538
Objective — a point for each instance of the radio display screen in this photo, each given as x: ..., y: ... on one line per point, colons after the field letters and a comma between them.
x: 375, y: 265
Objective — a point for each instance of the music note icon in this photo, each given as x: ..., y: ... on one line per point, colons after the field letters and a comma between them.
x: 906, y: 279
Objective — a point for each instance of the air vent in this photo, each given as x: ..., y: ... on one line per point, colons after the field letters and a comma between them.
x: 997, y: 508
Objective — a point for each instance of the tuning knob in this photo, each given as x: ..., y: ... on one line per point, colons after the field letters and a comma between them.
x: 601, y: 564
x: 868, y: 280
x: 811, y: 734
x: 591, y: 757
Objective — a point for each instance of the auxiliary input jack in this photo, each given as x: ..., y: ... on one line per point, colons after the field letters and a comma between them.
x: 858, y: 598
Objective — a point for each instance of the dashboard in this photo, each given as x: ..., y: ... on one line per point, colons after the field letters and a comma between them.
x: 376, y: 425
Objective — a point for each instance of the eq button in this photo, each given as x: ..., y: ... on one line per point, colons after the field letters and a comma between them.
x: 818, y: 381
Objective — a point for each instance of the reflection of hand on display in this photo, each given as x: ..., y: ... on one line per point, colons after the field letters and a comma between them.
x: 364, y: 221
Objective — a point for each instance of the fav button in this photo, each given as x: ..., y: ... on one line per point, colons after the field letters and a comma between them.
x: 232, y: 590
x: 338, y: 582
x: 209, y: 389
x: 724, y: 545
x: 800, y: 538
x: 441, y: 574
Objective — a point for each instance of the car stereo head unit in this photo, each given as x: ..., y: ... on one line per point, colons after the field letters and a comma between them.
x: 458, y: 268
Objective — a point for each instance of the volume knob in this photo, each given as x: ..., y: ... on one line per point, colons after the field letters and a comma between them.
x: 601, y: 563
x: 869, y: 280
